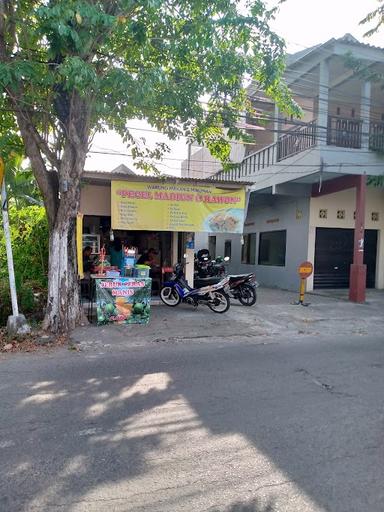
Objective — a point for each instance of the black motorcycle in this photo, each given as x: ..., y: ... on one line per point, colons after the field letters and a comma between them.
x: 206, y: 267
x: 243, y: 288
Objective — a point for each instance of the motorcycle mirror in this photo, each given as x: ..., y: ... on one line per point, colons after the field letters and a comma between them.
x: 227, y: 258
x: 185, y: 256
x: 205, y: 259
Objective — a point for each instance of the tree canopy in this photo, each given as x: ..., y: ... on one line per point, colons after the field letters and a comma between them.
x: 146, y: 59
x: 69, y: 68
x: 376, y: 17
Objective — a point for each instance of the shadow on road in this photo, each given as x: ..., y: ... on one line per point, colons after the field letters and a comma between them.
x: 71, y: 430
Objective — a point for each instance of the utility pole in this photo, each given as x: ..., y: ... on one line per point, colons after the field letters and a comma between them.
x: 17, y: 323
x: 189, y: 159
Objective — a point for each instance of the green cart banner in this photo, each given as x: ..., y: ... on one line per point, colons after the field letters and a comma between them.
x: 124, y: 300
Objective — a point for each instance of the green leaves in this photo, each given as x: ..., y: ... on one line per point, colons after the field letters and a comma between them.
x: 377, y: 17
x: 146, y: 59
x: 375, y: 181
x: 78, y: 75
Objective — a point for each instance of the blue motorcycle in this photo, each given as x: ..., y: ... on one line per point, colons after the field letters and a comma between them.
x: 177, y: 290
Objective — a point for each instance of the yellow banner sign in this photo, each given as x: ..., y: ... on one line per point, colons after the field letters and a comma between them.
x: 161, y: 206
x: 79, y: 244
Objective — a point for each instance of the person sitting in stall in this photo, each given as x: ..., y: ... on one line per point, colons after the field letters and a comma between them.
x: 117, y: 254
x: 88, y: 264
x: 148, y: 258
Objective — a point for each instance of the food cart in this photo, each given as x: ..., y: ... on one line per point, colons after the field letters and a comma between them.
x: 121, y: 299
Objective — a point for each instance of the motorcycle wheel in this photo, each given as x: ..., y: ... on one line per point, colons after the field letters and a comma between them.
x: 220, y: 302
x: 247, y: 295
x: 169, y: 296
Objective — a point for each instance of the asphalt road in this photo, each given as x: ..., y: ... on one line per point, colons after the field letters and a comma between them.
x: 281, y: 425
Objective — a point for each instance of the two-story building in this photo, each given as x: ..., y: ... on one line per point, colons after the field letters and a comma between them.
x: 309, y: 199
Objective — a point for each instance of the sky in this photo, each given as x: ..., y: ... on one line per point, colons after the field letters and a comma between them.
x: 302, y: 23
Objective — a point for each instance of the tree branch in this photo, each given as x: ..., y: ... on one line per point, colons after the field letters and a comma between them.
x: 47, y: 181
x: 21, y: 113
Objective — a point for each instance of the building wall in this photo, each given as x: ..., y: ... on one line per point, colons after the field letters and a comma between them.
x: 345, y: 201
x: 203, y: 165
x: 95, y: 200
x: 273, y: 213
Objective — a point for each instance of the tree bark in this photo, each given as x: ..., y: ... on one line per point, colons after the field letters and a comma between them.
x: 63, y: 306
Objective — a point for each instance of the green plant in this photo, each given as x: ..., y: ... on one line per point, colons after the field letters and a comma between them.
x: 29, y: 232
x: 31, y: 297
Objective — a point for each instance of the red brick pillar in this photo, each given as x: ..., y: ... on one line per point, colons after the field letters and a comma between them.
x: 358, y: 273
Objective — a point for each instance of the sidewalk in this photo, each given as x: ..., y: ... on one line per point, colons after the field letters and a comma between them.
x: 274, y: 317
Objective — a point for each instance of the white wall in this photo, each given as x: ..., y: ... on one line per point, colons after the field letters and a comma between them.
x: 273, y: 213
x: 346, y: 200
x: 95, y: 200
x: 202, y: 164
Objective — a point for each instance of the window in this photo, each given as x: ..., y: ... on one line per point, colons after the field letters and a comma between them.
x: 272, y: 248
x: 248, y: 251
x: 212, y: 246
x: 227, y: 248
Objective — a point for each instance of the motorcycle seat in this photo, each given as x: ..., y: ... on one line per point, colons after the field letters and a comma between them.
x: 240, y: 276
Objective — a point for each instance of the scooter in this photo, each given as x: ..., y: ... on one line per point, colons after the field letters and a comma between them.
x: 177, y: 290
x: 241, y: 287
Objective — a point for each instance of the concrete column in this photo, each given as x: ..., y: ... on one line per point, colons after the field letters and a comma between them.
x: 322, y: 118
x: 358, y: 273
x: 311, y: 255
x: 365, y: 113
x: 175, y: 241
x: 189, y: 266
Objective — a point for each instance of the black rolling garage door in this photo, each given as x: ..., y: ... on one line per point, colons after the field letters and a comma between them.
x: 334, y: 255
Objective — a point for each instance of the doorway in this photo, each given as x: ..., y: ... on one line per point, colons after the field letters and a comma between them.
x: 334, y: 256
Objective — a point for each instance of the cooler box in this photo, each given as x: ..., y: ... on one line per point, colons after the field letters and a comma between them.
x: 141, y: 271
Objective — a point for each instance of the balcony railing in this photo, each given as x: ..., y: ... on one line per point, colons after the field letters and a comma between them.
x: 296, y: 141
x: 344, y: 132
x: 376, y: 137
x: 250, y: 165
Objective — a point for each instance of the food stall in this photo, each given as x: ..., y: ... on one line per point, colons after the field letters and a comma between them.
x: 153, y: 213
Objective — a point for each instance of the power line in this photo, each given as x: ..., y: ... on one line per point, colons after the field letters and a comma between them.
x: 339, y: 164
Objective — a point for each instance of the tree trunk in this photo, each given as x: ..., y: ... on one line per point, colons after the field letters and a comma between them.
x: 60, y: 188
x: 63, y: 305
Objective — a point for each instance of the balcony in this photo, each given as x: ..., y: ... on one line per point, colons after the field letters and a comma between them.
x: 341, y: 132
x: 376, y: 137
x: 344, y: 132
